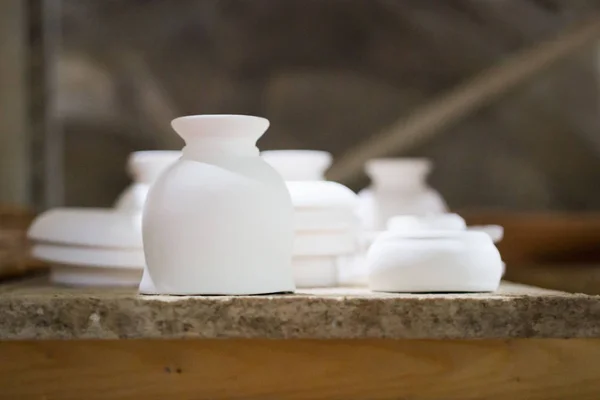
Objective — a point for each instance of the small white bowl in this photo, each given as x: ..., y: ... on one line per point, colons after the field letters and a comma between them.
x: 434, y: 261
x: 93, y: 227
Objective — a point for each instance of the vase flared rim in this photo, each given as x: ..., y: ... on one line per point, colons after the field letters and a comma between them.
x: 234, y: 125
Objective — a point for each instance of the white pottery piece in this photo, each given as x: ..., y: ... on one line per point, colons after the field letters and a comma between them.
x: 324, y: 243
x: 299, y: 165
x: 315, y: 271
x: 146, y: 285
x: 70, y: 275
x: 321, y: 194
x: 89, y: 256
x: 93, y: 227
x: 411, y: 223
x: 219, y: 220
x: 352, y: 270
x: 144, y: 167
x: 496, y: 232
x: 325, y: 220
x: 430, y: 261
x: 398, y: 187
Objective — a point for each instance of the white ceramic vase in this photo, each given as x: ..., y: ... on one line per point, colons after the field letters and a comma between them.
x: 434, y: 261
x: 144, y: 167
x: 219, y: 220
x: 399, y: 187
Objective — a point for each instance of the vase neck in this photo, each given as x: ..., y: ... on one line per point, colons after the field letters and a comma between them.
x: 398, y: 174
x: 206, y: 147
x: 213, y: 136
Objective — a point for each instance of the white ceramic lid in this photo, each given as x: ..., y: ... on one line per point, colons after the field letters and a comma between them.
x: 92, y: 227
x: 299, y: 165
x: 89, y: 257
x: 323, y: 194
x: 496, y: 232
x: 412, y: 223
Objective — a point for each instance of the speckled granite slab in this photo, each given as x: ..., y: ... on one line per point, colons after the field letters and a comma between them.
x: 32, y: 309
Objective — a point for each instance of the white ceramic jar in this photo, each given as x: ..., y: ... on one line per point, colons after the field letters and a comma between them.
x: 434, y: 261
x: 144, y: 167
x: 219, y: 220
x: 398, y: 187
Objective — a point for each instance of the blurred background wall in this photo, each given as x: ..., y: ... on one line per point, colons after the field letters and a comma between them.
x: 329, y: 75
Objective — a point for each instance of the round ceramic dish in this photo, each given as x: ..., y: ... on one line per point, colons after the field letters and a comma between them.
x: 330, y: 219
x: 314, y: 271
x: 70, y: 275
x: 431, y: 261
x: 93, y: 227
x: 86, y: 257
x: 321, y: 194
x: 324, y: 244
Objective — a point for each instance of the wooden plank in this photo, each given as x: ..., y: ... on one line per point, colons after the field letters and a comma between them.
x: 301, y: 369
x: 544, y: 237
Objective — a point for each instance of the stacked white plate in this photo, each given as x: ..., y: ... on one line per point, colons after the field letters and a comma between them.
x: 100, y: 247
x: 89, y: 247
x: 326, y: 226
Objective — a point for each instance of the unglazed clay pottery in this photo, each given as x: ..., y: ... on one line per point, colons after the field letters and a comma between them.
x: 324, y: 220
x: 315, y: 271
x: 70, y: 275
x: 398, y: 187
x: 220, y: 219
x: 325, y: 243
x: 144, y: 167
x: 434, y: 261
x: 146, y: 285
x: 411, y: 223
x: 326, y: 225
x: 299, y: 165
x: 87, y: 227
x: 89, y: 256
x: 496, y: 232
x: 321, y: 194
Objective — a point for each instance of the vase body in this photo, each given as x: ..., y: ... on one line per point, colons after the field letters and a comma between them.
x: 398, y: 187
x: 220, y: 219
